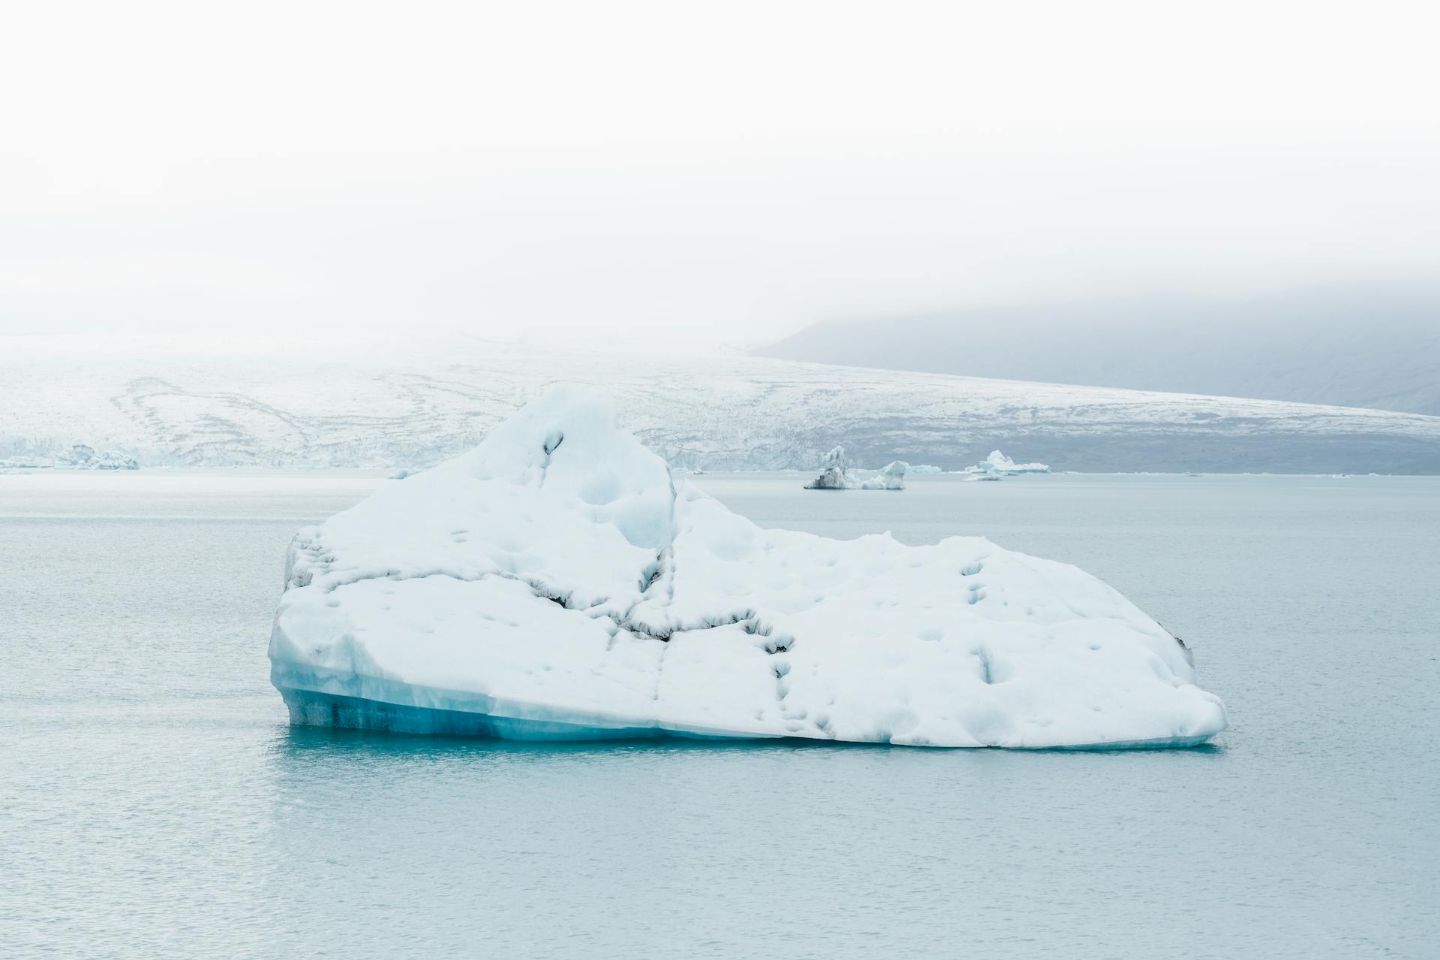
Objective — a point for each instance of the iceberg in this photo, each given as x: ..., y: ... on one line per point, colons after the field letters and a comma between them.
x: 890, y: 477
x: 998, y: 465
x: 835, y: 474
x: 560, y: 582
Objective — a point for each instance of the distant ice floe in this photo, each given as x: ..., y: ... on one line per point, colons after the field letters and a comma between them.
x: 998, y: 465
x: 79, y: 456
x: 837, y: 474
x: 560, y: 582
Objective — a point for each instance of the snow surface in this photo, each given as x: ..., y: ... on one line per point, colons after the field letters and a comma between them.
x: 559, y: 581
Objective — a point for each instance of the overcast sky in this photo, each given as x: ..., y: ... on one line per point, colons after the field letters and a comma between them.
x: 721, y: 173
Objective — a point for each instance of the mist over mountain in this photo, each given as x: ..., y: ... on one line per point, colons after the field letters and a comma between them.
x: 1356, y: 348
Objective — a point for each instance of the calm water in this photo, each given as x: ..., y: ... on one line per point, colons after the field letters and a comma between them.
x: 153, y: 801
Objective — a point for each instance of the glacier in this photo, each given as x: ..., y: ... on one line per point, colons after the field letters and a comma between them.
x: 559, y: 581
x: 78, y: 456
x: 414, y: 403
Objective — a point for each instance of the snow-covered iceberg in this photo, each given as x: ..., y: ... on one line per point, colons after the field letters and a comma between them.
x: 890, y: 477
x: 998, y: 465
x: 559, y: 582
x: 836, y: 474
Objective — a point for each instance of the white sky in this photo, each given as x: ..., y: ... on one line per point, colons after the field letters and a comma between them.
x: 721, y: 173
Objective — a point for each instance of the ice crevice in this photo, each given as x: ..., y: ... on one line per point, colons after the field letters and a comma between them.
x: 749, y: 620
x: 560, y: 581
x: 552, y: 443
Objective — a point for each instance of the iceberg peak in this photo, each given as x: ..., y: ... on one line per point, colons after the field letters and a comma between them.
x: 558, y: 582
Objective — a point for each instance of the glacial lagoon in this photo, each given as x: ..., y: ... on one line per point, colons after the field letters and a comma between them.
x: 155, y: 802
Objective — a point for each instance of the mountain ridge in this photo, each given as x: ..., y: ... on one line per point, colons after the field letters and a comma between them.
x: 1376, y: 350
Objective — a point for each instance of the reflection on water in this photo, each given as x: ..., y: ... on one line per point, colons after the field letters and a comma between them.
x: 153, y: 801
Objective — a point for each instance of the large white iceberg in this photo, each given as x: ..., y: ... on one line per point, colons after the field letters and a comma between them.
x: 558, y: 582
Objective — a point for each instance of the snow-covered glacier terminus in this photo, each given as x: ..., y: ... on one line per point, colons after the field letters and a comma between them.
x: 559, y: 582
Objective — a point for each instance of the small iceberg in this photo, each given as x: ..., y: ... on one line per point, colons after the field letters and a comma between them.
x: 836, y: 474
x: 560, y: 582
x: 998, y: 465
x: 890, y: 477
